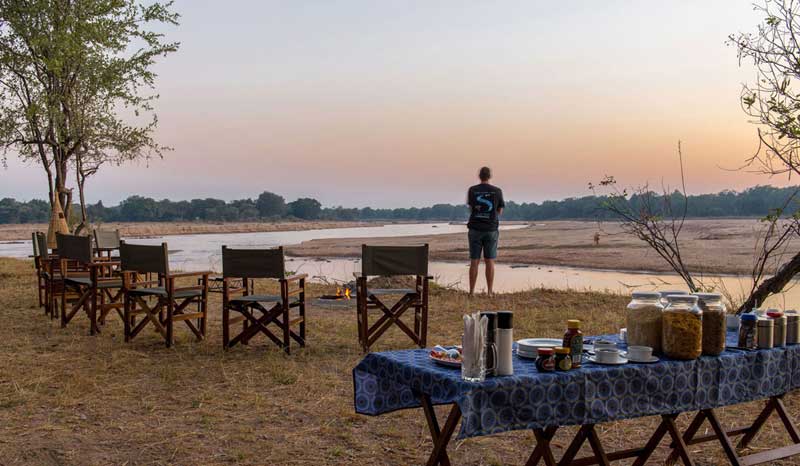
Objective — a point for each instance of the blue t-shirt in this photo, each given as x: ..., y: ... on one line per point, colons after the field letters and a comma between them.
x: 484, y: 200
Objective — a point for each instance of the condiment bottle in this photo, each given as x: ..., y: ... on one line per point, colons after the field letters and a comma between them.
x: 563, y: 359
x: 545, y: 362
x: 490, y: 347
x: 573, y: 340
x: 779, y: 321
x: 766, y: 333
x: 504, y: 338
x: 792, y: 327
x: 747, y: 331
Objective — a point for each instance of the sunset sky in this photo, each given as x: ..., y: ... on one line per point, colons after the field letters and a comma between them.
x: 399, y: 103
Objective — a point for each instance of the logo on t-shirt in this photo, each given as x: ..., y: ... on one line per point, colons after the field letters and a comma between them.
x: 484, y: 205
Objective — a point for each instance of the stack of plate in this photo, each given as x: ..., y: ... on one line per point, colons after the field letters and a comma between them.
x: 529, y: 347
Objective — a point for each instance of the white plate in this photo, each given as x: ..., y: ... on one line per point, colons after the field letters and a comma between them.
x: 618, y: 362
x: 642, y: 361
x: 533, y: 344
x: 444, y: 362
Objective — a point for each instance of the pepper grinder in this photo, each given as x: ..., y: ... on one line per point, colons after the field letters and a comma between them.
x: 490, y: 348
x: 504, y: 339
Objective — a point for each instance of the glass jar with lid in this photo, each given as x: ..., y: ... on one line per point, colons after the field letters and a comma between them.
x: 682, y: 329
x: 666, y: 293
x: 643, y: 319
x: 714, y: 328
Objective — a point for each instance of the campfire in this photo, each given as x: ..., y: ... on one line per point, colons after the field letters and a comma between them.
x: 342, y: 294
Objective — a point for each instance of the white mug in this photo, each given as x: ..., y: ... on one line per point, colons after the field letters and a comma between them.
x: 607, y: 355
x: 640, y: 353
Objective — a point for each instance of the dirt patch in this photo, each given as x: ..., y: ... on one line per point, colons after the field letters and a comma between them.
x: 710, y: 246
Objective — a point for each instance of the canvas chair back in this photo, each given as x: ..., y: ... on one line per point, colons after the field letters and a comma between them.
x: 387, y: 261
x: 78, y: 248
x: 144, y: 258
x: 41, y: 243
x: 107, y: 239
x: 253, y: 263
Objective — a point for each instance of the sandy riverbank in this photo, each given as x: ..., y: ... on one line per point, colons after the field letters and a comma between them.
x: 710, y: 246
x: 12, y: 232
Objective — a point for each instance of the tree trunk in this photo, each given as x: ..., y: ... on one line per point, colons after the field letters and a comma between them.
x: 81, y: 180
x: 772, y: 285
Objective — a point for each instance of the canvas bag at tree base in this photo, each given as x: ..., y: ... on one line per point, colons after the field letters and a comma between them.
x: 58, y: 223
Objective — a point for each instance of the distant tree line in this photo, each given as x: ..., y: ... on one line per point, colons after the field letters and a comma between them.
x: 753, y: 202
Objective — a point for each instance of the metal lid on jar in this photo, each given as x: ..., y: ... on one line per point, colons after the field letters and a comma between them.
x: 792, y: 316
x: 706, y: 297
x: 573, y: 324
x: 682, y: 298
x: 749, y: 317
x: 545, y: 351
x: 646, y: 295
x: 562, y: 350
x: 666, y: 293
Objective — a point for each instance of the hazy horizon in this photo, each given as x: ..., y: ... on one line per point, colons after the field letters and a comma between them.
x: 397, y: 104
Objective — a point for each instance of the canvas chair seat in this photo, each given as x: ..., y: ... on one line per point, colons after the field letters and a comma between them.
x: 161, y: 291
x: 255, y: 298
x: 86, y: 281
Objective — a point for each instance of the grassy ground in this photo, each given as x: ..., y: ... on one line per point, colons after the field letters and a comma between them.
x: 67, y: 398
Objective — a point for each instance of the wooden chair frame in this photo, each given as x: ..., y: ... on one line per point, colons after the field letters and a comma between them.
x: 240, y: 267
x: 416, y: 300
x: 161, y: 301
x: 38, y: 266
x: 103, y: 291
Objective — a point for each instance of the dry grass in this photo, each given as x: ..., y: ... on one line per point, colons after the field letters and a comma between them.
x: 67, y: 398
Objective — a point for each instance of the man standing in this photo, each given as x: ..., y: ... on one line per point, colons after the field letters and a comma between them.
x: 486, y: 204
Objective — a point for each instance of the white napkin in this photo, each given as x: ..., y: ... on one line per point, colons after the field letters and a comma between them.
x: 475, y: 328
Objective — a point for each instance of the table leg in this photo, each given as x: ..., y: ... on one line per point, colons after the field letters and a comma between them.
x: 727, y: 445
x: 680, y: 445
x: 688, y: 436
x: 597, y: 448
x: 575, y: 445
x: 440, y: 437
x: 652, y: 444
x: 787, y: 421
x: 542, y: 450
x: 757, y: 424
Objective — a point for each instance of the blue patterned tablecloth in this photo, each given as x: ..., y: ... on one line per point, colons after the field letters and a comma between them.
x: 388, y: 381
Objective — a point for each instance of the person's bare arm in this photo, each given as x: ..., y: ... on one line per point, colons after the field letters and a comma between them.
x: 499, y: 211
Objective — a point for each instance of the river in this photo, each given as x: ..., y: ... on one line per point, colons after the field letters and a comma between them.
x: 202, y: 252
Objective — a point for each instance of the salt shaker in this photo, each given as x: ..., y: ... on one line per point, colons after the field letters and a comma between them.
x: 504, y: 339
